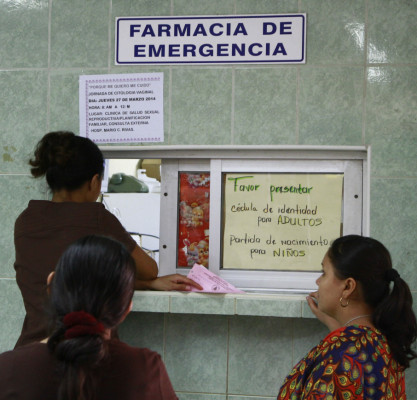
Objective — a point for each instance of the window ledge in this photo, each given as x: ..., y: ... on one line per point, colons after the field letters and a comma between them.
x: 252, y: 304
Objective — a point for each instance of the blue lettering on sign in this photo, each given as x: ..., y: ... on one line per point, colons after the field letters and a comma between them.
x: 134, y: 29
x: 138, y: 50
x: 153, y: 52
x: 173, y: 50
x: 189, y: 48
x: 148, y: 31
x: 215, y: 29
x: 240, y: 29
x: 284, y: 27
x: 184, y: 32
x: 269, y: 28
x: 222, y: 50
x: 251, y: 50
x: 200, y: 30
x: 236, y: 49
x: 206, y: 50
x: 213, y: 32
x: 164, y: 29
x: 280, y: 49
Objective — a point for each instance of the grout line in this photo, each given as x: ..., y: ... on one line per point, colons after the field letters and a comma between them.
x: 297, y: 107
x: 164, y: 337
x: 227, y: 355
x: 51, y: 69
x: 13, y: 174
x: 217, y: 394
x: 109, y: 45
x: 257, y: 67
x: 364, y: 91
x: 48, y: 85
x: 49, y: 32
x: 169, y: 130
x: 232, y: 106
x: 393, y: 177
x: 365, y: 73
x: 292, y: 342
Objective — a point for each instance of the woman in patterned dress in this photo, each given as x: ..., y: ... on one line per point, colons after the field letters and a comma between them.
x: 367, y: 307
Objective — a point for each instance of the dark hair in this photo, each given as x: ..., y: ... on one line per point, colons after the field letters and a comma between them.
x: 96, y: 275
x: 67, y: 160
x: 369, y: 262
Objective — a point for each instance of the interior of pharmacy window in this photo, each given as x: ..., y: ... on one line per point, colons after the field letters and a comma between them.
x: 131, y: 191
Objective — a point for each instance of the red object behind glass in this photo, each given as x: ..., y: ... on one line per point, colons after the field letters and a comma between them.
x: 194, y: 204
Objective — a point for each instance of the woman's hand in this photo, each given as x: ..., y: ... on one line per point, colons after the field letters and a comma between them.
x: 331, y: 323
x: 169, y: 282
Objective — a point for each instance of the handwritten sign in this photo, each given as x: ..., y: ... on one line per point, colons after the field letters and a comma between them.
x: 122, y: 108
x: 280, y: 221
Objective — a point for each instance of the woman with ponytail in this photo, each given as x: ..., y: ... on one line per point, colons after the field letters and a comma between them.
x: 73, y: 167
x: 367, y: 306
x: 90, y: 295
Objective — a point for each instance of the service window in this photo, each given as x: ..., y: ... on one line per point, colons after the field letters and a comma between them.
x: 261, y: 218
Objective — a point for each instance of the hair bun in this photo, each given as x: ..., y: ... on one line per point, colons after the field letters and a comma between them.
x: 391, y: 275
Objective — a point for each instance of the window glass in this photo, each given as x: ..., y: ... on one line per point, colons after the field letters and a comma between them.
x: 193, y: 224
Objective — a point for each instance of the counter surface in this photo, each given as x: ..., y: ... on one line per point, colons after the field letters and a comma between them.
x: 254, y: 304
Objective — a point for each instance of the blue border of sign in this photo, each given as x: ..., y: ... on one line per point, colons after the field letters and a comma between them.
x: 118, y: 19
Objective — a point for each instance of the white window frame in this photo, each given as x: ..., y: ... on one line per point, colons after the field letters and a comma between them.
x: 353, y: 162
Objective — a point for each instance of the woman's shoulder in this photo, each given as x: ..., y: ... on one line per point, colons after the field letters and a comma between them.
x: 130, y: 367
x: 44, y: 213
x: 139, y: 364
x: 48, y: 207
x: 27, y: 355
x: 355, y: 338
x: 119, y: 349
x: 354, y: 332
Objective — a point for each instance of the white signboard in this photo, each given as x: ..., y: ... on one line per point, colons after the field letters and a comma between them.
x: 260, y: 39
x: 122, y: 108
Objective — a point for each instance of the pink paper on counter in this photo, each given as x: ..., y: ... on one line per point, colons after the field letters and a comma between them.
x: 210, y: 282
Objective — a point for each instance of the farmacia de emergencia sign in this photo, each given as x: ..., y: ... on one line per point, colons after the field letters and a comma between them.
x: 245, y: 39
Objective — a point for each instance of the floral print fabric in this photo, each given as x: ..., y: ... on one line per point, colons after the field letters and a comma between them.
x: 352, y: 362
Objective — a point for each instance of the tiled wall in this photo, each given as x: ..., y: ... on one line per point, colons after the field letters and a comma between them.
x: 358, y: 87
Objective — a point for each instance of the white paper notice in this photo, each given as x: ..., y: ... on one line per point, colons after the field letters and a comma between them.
x: 211, y: 283
x: 122, y: 108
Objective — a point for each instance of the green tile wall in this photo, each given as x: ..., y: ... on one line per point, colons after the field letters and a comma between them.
x: 358, y: 87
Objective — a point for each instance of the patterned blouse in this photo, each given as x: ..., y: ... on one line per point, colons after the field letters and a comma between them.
x: 353, y: 362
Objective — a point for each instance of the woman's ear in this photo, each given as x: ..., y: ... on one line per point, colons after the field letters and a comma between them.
x: 128, y: 310
x: 49, y: 281
x: 95, y: 182
x: 350, y: 286
x: 94, y: 187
